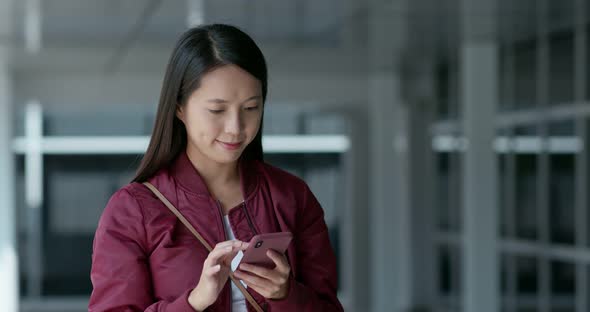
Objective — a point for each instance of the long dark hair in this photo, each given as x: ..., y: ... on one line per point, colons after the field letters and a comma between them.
x: 198, y: 51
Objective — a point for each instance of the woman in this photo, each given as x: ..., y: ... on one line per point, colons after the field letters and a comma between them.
x: 205, y: 157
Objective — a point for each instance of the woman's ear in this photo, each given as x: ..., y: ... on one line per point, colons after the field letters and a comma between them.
x: 180, y: 113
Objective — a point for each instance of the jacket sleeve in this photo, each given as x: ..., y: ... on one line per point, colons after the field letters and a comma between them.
x: 316, y: 285
x: 120, y: 272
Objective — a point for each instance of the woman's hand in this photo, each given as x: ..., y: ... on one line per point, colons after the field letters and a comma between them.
x: 214, y: 275
x: 270, y: 283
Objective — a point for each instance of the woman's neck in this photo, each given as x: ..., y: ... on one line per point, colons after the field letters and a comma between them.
x: 213, y: 173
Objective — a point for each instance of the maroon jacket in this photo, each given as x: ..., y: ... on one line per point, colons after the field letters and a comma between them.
x: 144, y: 259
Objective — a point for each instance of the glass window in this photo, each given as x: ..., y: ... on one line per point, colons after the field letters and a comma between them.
x: 561, y: 186
x: 525, y: 74
x: 561, y: 67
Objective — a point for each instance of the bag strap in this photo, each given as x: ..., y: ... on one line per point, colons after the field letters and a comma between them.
x: 203, y: 241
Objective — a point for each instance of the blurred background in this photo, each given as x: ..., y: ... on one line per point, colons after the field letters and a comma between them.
x: 444, y: 139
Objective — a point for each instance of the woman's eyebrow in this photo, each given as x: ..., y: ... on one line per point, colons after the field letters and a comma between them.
x: 222, y: 101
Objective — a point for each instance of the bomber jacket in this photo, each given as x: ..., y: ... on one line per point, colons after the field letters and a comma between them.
x: 144, y: 259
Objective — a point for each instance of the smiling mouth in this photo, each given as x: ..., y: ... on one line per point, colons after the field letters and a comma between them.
x: 230, y: 146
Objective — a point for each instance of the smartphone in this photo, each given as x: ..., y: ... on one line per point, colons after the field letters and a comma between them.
x: 256, y: 252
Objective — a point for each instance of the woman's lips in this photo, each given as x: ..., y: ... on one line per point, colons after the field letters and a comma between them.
x: 230, y: 146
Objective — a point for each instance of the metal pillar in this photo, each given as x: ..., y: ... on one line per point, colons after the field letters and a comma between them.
x: 390, y: 263
x: 8, y: 257
x: 479, y: 90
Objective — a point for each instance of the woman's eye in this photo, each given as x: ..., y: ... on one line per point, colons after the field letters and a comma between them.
x: 251, y: 108
x: 216, y: 111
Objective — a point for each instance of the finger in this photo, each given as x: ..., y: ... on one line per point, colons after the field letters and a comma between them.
x: 216, y: 254
x: 269, y: 274
x: 237, y: 246
x: 280, y: 260
x: 225, y: 251
x: 244, y: 246
x: 257, y: 281
x: 262, y: 291
x: 240, y: 244
x: 229, y: 257
x: 233, y: 242
x: 223, y: 244
x: 260, y: 285
x: 259, y: 290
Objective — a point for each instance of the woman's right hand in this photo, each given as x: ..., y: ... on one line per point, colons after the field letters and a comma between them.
x: 215, y: 272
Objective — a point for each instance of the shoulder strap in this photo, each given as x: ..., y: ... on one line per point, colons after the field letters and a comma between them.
x: 203, y: 241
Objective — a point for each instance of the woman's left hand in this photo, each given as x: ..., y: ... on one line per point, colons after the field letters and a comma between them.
x: 270, y: 283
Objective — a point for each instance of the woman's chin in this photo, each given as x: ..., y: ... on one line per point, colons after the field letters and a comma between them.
x: 227, y: 157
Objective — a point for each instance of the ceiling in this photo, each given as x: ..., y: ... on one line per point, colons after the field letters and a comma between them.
x: 121, y: 27
x: 113, y: 22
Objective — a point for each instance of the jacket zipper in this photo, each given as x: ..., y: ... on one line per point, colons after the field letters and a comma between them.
x: 218, y: 204
x: 248, y: 218
x: 250, y: 224
x: 221, y: 216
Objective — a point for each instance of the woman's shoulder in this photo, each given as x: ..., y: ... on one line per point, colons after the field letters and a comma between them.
x: 280, y: 177
x: 123, y: 218
x: 129, y: 200
x: 124, y: 200
x: 293, y: 191
x: 283, y: 184
x: 162, y: 180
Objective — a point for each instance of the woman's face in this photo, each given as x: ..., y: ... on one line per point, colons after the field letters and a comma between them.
x: 223, y: 115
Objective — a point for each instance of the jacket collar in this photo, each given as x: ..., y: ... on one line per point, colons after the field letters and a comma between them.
x: 189, y: 177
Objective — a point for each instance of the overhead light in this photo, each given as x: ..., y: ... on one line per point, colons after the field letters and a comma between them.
x: 196, y: 13
x: 34, y: 159
x: 32, y: 26
x: 517, y: 144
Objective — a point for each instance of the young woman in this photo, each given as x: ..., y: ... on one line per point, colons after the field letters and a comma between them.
x: 205, y: 157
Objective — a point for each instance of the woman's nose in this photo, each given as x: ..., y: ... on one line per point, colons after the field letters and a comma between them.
x: 234, y: 124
